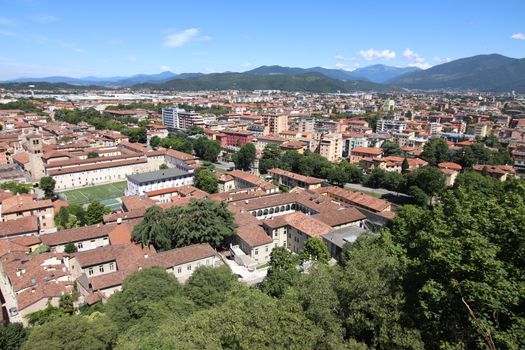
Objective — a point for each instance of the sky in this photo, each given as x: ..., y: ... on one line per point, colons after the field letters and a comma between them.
x: 120, y: 38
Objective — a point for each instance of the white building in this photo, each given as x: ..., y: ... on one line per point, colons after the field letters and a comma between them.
x: 390, y: 125
x: 139, y: 184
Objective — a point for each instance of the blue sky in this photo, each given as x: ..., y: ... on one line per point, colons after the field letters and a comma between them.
x: 108, y: 38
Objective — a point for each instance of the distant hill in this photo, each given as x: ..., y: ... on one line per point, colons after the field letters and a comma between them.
x: 380, y: 73
x: 483, y: 72
x: 38, y: 85
x: 117, y: 81
x: 310, y: 82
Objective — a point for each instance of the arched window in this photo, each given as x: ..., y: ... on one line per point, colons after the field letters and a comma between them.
x: 271, y: 210
x: 265, y: 211
x: 277, y: 209
x: 259, y: 213
x: 293, y: 206
x: 288, y: 207
x: 283, y: 207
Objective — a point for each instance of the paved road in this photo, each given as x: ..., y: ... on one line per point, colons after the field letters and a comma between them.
x: 381, y: 191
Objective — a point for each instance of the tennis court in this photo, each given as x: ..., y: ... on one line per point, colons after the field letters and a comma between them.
x: 95, y: 194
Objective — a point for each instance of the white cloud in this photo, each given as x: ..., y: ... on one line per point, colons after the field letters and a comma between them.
x: 415, y: 60
x: 132, y: 57
x: 518, y: 36
x: 371, y: 54
x: 246, y: 65
x: 180, y: 38
x: 43, y: 18
x: 8, y: 22
x: 114, y: 41
x: 4, y: 32
x: 166, y: 68
x: 442, y: 59
x: 339, y: 57
x: 70, y: 46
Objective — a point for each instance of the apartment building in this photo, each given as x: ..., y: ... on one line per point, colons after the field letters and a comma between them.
x: 275, y: 123
x: 234, y: 138
x: 391, y: 125
x: 179, y: 119
x: 331, y: 147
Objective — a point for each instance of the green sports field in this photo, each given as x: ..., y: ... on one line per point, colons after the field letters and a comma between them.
x: 94, y: 193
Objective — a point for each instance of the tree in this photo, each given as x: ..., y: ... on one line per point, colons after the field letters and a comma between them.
x: 153, y: 230
x: 92, y: 155
x: 12, y: 336
x: 208, y: 286
x: 271, y: 158
x: 194, y: 130
x: 73, y: 332
x: 435, y: 151
x: 95, y: 213
x: 372, y: 299
x: 206, y: 181
x: 345, y: 172
x: 457, y: 258
x: 136, y: 134
x: 15, y: 187
x: 405, y: 167
x: 206, y: 149
x: 41, y: 249
x: 140, y: 291
x: 429, y: 179
x: 376, y: 178
x: 154, y: 142
x: 314, y: 249
x: 282, y: 273
x: 47, y: 184
x: 70, y: 248
x: 391, y: 149
x: 163, y: 166
x: 245, y: 157
x: 202, y: 221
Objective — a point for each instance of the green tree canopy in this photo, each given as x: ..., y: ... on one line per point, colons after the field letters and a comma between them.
x: 47, y: 184
x: 314, y: 249
x: 245, y: 157
x: 95, y: 212
x: 206, y: 181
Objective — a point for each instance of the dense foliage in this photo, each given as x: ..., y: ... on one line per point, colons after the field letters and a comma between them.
x: 202, y: 221
x: 446, y: 276
x: 16, y: 187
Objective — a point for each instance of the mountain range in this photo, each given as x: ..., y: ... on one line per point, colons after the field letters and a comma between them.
x: 117, y: 81
x: 482, y: 72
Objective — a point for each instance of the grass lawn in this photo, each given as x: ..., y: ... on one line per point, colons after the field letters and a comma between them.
x: 94, y: 193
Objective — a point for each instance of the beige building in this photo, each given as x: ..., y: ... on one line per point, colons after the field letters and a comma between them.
x: 26, y: 205
x: 331, y: 147
x: 275, y: 123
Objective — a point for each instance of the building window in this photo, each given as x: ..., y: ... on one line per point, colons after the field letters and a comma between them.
x: 101, y: 268
x: 79, y: 245
x: 90, y: 271
x: 111, y: 266
x: 256, y: 251
x: 179, y: 270
x: 188, y: 268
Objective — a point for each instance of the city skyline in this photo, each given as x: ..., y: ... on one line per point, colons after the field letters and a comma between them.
x: 59, y: 38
